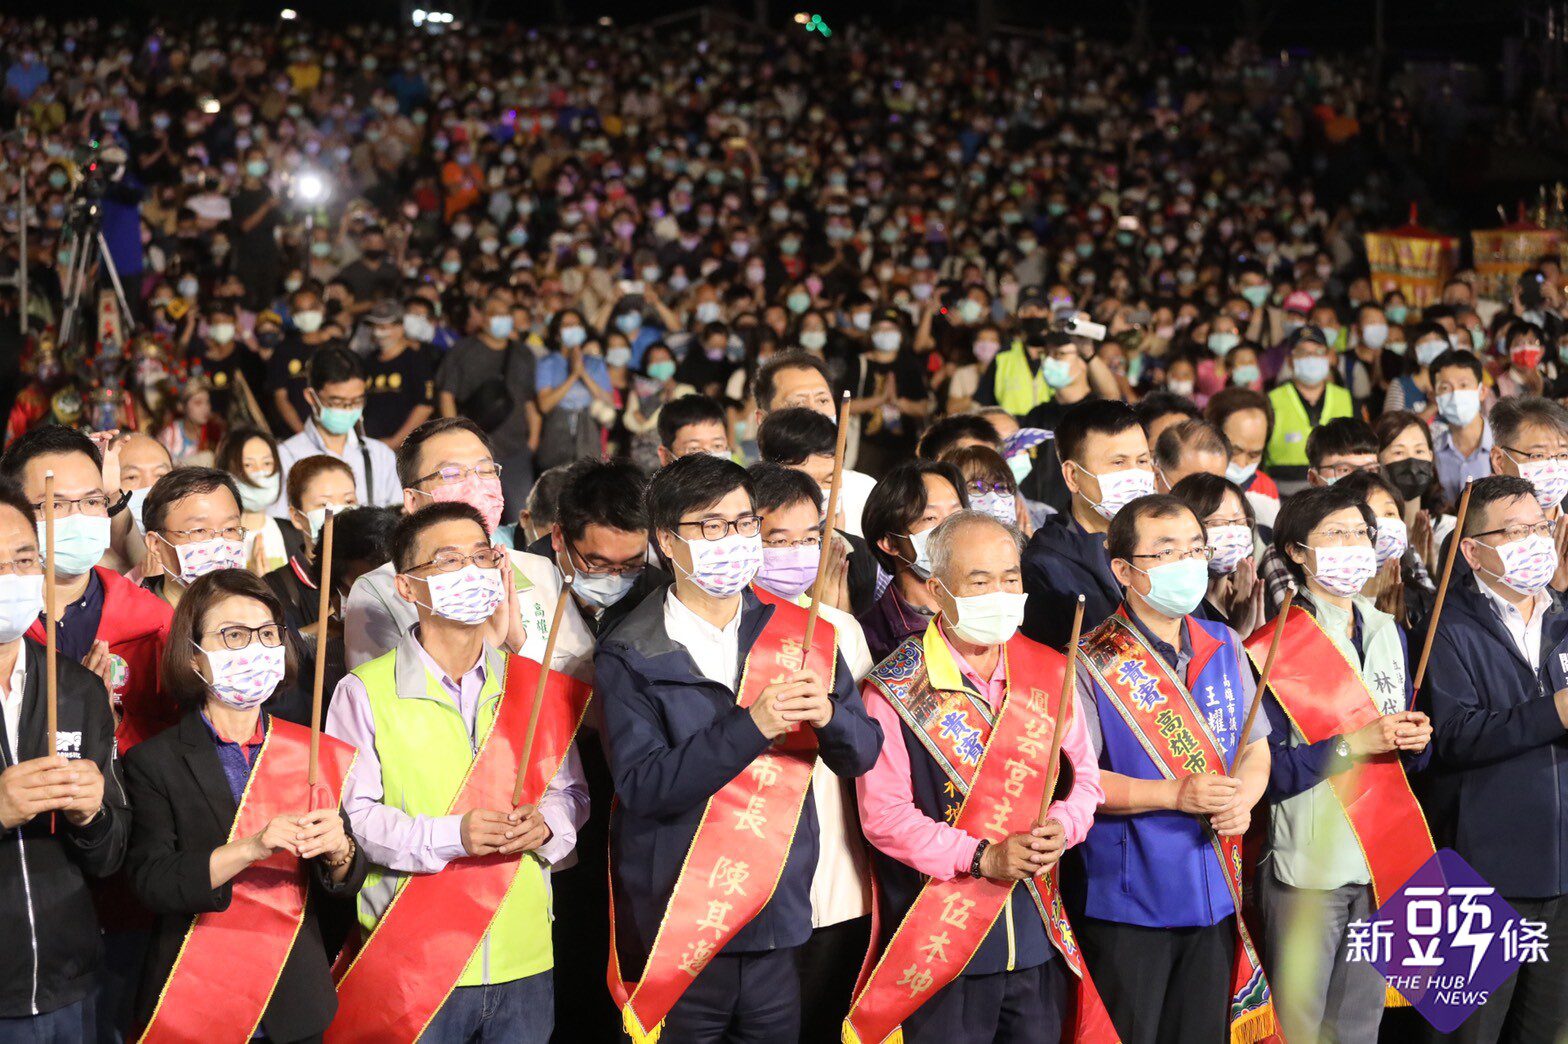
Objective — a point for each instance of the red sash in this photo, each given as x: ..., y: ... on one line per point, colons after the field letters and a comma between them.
x: 407, y: 968
x: 1324, y: 696
x: 1001, y: 790
x: 1175, y: 734
x: 230, y: 961
x: 742, y: 842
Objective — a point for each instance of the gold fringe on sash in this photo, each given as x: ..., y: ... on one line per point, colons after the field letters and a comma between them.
x: 1392, y: 998
x: 851, y: 1037
x: 1254, y: 1026
x: 634, y: 1028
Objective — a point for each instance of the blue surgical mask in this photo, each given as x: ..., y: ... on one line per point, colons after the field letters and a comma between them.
x: 1020, y: 464
x: 1221, y: 342
x: 1058, y: 373
x: 500, y: 326
x: 602, y: 590
x: 1459, y: 407
x: 1246, y: 374
x: 339, y: 421
x: 79, y: 542
x: 1311, y: 369
x: 1428, y: 351
x: 1176, y: 588
x: 573, y: 336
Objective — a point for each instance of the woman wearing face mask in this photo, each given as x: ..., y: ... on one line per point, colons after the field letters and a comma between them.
x: 226, y: 837
x: 1345, y: 829
x: 650, y: 390
x: 1524, y: 346
x: 316, y: 485
x: 890, y: 395
x: 990, y: 486
x: 1406, y: 460
x: 1402, y: 586
x: 574, y: 393
x: 193, y: 432
x: 902, y: 510
x: 250, y: 456
x: 959, y: 380
x: 812, y: 333
x: 1235, y: 596
x: 1412, y: 389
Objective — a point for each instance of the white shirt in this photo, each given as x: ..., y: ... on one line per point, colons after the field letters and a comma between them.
x: 375, y: 619
x: 11, y: 702
x: 715, y: 650
x: 1526, y: 634
x: 852, y: 499
x: 387, y: 491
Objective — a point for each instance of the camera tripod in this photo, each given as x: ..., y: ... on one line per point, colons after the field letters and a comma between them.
x: 89, y: 253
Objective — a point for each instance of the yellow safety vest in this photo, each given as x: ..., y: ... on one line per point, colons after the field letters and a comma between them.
x: 1288, y: 445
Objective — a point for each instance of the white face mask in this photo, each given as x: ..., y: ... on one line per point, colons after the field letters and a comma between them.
x: 1393, y: 536
x: 922, y: 563
x: 257, y: 493
x: 244, y: 678
x: 1231, y: 544
x: 134, y: 505
x: 1239, y: 473
x: 208, y: 556
x: 1119, y: 488
x: 467, y: 596
x: 988, y: 619
x: 318, y: 518
x: 21, y: 602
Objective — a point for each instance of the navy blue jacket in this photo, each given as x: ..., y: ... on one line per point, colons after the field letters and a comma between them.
x: 673, y: 740
x: 1497, y: 789
x: 1062, y: 561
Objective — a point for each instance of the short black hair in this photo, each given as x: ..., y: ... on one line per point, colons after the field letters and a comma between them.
x: 1460, y: 357
x: 176, y: 485
x: 408, y: 470
x: 1484, y: 492
x: 763, y: 384
x: 48, y: 440
x: 1512, y: 413
x: 1230, y: 401
x: 692, y: 482
x: 405, y: 535
x: 1092, y: 417
x: 942, y: 435
x: 332, y: 364
x: 1122, y: 539
x: 1196, y: 436
x: 11, y: 495
x: 1204, y: 493
x: 899, y: 500
x: 364, y: 534
x: 604, y: 493
x: 1159, y: 404
x: 1301, y: 512
x: 792, y: 436
x: 775, y: 487
x: 1340, y: 437
x: 685, y: 411
x: 1360, y: 485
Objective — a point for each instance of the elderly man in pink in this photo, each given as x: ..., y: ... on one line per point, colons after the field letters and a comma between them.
x: 966, y: 712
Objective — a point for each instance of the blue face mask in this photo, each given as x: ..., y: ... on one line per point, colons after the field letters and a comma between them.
x: 573, y: 336
x: 1246, y: 374
x: 602, y: 590
x: 1058, y: 373
x: 500, y: 326
x: 1020, y: 464
x: 628, y: 322
x: 1311, y: 369
x: 79, y: 542
x: 1176, y: 588
x: 339, y: 421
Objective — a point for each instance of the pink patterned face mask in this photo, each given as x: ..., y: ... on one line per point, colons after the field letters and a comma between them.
x: 468, y: 596
x: 482, y: 494
x: 208, y: 556
x: 244, y: 678
x: 1528, y: 564
x: 724, y: 567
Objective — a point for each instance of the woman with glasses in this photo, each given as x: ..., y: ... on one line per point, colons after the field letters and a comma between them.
x: 250, y: 456
x: 228, y: 842
x: 1402, y: 585
x: 1345, y: 830
x: 991, y: 487
x: 1235, y: 596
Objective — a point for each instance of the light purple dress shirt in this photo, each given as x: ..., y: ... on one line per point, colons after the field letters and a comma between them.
x: 425, y: 844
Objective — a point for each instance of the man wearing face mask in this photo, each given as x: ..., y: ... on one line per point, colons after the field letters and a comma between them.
x: 448, y: 459
x: 900, y: 515
x: 440, y: 722
x: 790, y: 505
x: 1162, y: 864
x: 1300, y: 405
x: 399, y: 378
x: 225, y: 363
x: 955, y: 730
x: 1462, y: 443
x: 1530, y: 440
x: 67, y: 812
x: 337, y: 396
x: 698, y: 683
x: 132, y: 462
x: 1105, y: 464
x: 286, y: 369
x: 1495, y: 792
x: 1014, y: 380
x: 107, y: 623
x: 193, y: 525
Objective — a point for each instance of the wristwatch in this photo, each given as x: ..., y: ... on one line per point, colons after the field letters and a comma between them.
x: 974, y: 867
x: 1342, y: 747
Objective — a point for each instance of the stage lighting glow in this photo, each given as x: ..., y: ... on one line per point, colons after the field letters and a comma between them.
x: 311, y: 186
x: 288, y: 14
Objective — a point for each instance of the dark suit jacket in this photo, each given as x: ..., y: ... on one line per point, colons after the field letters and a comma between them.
x: 1062, y: 561
x: 183, y: 812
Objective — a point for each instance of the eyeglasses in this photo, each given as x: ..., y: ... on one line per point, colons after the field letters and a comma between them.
x: 344, y: 404
x: 580, y: 562
x: 237, y: 636
x: 1523, y: 531
x: 200, y: 536
x: 978, y: 488
x: 1340, y: 537
x: 22, y: 565
x: 811, y: 539
x: 1519, y: 456
x: 451, y: 561
x: 1339, y: 471
x: 458, y: 472
x: 719, y: 528
x: 1170, y: 554
x: 1236, y: 520
x: 91, y: 504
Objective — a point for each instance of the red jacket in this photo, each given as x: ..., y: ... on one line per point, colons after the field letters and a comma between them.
x: 135, y: 623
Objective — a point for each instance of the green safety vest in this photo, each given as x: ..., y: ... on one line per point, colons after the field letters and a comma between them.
x: 1019, y: 389
x: 1288, y: 444
x: 425, y: 752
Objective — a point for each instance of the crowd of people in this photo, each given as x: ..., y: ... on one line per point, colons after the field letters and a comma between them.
x: 701, y: 445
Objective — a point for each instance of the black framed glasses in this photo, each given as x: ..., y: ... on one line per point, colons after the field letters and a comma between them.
x: 237, y: 636
x: 1519, y: 456
x: 450, y: 561
x: 719, y: 528
x: 1171, y: 554
x: 91, y: 504
x: 580, y: 562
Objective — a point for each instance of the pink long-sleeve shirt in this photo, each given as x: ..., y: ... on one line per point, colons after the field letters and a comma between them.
x: 900, y: 829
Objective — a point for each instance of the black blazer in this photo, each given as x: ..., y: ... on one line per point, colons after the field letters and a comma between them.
x: 183, y: 812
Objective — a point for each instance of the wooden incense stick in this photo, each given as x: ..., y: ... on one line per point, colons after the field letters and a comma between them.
x: 544, y: 676
x: 1442, y: 588
x: 828, y: 533
x: 52, y: 706
x: 1263, y: 681
x: 1063, y: 714
x: 323, y: 611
